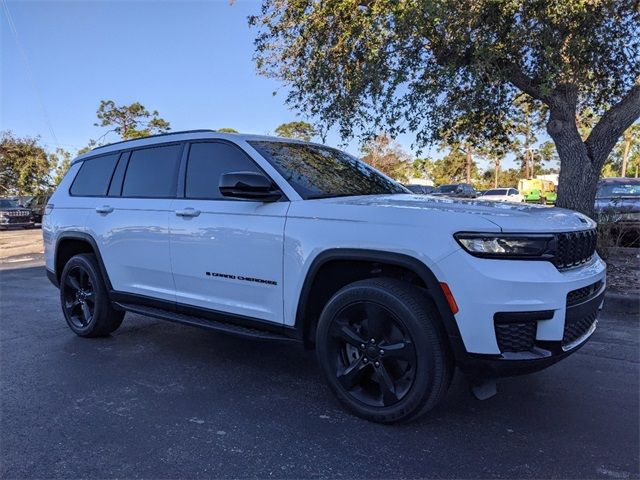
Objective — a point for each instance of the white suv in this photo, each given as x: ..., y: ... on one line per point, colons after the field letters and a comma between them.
x: 286, y: 240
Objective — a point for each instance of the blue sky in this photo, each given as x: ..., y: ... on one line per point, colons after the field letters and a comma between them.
x: 191, y: 61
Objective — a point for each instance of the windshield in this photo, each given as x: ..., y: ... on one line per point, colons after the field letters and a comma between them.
x: 496, y: 192
x: 6, y: 203
x: 315, y: 171
x: 446, y: 188
x: 619, y: 190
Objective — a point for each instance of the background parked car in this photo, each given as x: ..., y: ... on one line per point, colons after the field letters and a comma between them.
x: 618, y: 210
x: 13, y: 215
x: 459, y: 190
x: 37, y: 204
x: 503, y: 195
x: 421, y: 189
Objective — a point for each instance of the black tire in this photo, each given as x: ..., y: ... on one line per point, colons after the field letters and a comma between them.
x: 84, y: 298
x: 413, y: 366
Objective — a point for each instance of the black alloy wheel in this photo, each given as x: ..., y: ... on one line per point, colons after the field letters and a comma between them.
x: 383, y: 350
x: 374, y: 354
x: 85, y: 301
x: 79, y: 297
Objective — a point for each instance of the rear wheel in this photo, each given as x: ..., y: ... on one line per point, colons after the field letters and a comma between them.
x: 84, y: 298
x: 382, y: 350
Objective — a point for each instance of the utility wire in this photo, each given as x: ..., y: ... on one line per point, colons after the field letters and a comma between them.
x: 27, y: 66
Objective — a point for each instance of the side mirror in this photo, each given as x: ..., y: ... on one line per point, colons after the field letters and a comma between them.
x: 248, y: 185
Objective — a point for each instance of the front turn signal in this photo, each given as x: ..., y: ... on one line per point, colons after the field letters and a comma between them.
x: 449, y: 296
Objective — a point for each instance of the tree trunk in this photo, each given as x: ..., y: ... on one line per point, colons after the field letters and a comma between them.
x: 497, y: 172
x: 469, y: 160
x: 581, y: 161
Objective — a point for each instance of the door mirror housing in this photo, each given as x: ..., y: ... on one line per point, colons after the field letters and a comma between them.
x: 248, y: 185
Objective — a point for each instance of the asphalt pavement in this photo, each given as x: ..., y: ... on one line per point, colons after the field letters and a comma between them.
x: 160, y: 400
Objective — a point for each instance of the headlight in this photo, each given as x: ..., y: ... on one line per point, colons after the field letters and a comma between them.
x: 491, y: 245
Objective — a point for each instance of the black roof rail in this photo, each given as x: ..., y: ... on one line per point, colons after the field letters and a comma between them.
x: 204, y: 130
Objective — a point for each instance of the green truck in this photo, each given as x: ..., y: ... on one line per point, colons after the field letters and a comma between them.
x: 537, y: 190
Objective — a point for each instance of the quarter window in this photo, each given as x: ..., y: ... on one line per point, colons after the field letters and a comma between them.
x: 152, y: 172
x: 94, y: 176
x: 207, y: 162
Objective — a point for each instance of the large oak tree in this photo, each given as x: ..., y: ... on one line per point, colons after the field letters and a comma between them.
x: 427, y: 65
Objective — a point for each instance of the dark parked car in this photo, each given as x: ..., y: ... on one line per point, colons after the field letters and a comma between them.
x: 459, y: 190
x: 618, y: 205
x: 421, y: 189
x: 13, y: 215
x: 37, y: 204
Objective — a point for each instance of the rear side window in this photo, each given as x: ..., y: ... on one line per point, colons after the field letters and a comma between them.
x: 152, y: 172
x: 94, y: 176
x: 207, y: 161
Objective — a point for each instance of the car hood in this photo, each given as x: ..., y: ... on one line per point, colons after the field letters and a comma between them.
x: 14, y: 209
x: 510, y: 217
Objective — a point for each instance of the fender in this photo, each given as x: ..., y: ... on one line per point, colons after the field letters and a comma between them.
x: 71, y: 235
x: 390, y: 258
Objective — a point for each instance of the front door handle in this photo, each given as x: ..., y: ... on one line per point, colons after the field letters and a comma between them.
x: 188, y: 212
x: 104, y: 209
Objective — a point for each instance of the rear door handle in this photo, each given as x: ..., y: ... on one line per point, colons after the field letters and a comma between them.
x: 188, y: 212
x: 104, y: 209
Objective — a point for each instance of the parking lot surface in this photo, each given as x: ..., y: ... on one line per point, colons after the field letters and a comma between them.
x: 160, y: 400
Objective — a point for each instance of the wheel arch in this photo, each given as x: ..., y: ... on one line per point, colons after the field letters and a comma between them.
x: 69, y: 244
x: 307, y: 312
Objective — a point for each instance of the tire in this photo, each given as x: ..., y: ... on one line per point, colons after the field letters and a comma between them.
x: 383, y: 350
x: 84, y: 298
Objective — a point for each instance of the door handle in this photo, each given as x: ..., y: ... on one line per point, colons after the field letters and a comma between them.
x: 188, y: 212
x: 104, y: 209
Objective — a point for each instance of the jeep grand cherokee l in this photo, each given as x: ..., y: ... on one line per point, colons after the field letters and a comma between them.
x: 286, y: 240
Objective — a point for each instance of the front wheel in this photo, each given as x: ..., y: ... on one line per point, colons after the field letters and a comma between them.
x: 382, y: 349
x: 84, y: 298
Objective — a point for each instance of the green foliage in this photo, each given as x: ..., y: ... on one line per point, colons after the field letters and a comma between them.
x: 385, y: 155
x: 426, y: 65
x: 298, y: 130
x: 91, y: 144
x: 60, y: 161
x: 629, y: 147
x: 227, y: 130
x: 446, y: 67
x: 130, y: 121
x: 24, y: 165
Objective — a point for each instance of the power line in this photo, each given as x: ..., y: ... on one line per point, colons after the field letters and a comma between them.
x: 27, y: 66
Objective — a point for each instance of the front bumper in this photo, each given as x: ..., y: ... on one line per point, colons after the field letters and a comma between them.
x: 580, y: 324
x: 494, y: 295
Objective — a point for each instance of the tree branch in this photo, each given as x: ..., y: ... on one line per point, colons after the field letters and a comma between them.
x: 613, y: 124
x: 518, y: 79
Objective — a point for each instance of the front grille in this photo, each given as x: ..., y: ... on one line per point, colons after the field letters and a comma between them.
x: 577, y: 296
x: 574, y: 248
x: 516, y: 337
x: 575, y: 330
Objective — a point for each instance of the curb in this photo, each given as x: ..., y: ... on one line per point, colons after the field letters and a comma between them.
x: 620, y: 303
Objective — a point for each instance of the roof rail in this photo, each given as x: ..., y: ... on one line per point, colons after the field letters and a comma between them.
x: 154, y: 136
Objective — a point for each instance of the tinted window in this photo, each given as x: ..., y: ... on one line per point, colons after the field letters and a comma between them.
x: 446, y: 188
x: 513, y: 191
x: 152, y: 172
x: 613, y: 190
x: 94, y: 176
x: 499, y: 191
x: 315, y: 171
x: 207, y: 161
x: 6, y: 203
